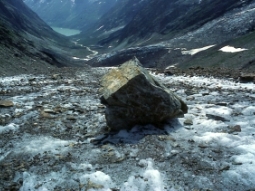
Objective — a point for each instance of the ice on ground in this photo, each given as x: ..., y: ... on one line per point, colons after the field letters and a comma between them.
x: 40, y: 144
x: 249, y: 111
x: 10, y: 127
x: 232, y: 49
x: 99, y: 178
x: 220, y: 111
x: 150, y: 180
x: 47, y: 182
x: 60, y: 156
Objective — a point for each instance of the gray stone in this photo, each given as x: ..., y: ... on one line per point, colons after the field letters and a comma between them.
x: 234, y: 129
x: 188, y: 122
x: 6, y: 103
x: 217, y: 117
x: 247, y: 77
x: 133, y: 97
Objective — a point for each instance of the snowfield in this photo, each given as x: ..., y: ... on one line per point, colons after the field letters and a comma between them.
x: 55, y: 137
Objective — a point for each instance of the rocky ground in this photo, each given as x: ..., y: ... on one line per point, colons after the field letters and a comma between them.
x: 53, y: 136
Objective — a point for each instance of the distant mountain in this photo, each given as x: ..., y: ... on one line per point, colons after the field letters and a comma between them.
x: 112, y: 22
x: 163, y: 33
x: 153, y: 21
x: 27, y: 43
x: 160, y: 33
x: 75, y: 14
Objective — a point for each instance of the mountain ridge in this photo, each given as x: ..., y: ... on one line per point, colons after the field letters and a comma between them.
x: 157, y: 32
x: 28, y: 44
x: 75, y: 14
x: 170, y: 18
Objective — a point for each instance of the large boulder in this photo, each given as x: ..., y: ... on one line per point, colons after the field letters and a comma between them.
x: 133, y: 97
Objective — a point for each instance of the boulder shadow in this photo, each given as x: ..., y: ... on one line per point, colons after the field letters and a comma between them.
x: 136, y: 134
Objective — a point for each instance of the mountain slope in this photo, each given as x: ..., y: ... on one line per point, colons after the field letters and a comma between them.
x: 112, y: 22
x: 27, y: 43
x: 158, y: 20
x: 161, y: 34
x: 75, y: 14
x: 214, y: 58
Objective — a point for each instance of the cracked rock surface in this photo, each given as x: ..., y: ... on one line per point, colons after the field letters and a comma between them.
x: 133, y: 97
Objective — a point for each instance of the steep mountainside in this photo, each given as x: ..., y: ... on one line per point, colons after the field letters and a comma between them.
x: 27, y: 43
x: 76, y: 14
x: 165, y: 33
x: 241, y: 56
x: 111, y: 23
x: 158, y: 20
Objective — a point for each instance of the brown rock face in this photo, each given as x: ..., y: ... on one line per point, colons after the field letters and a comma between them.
x: 6, y: 103
x: 134, y: 97
x: 247, y: 77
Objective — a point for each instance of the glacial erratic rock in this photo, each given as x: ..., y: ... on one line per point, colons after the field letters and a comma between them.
x: 133, y: 97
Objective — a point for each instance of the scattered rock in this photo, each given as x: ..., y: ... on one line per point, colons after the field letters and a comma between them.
x: 189, y: 92
x: 6, y: 103
x: 133, y: 97
x: 188, y: 122
x: 73, y: 118
x: 190, y: 98
x: 166, y: 138
x: 236, y: 163
x: 49, y: 111
x: 170, y: 70
x: 202, y: 146
x: 247, y: 77
x: 94, y: 186
x: 205, y: 94
x: 56, y: 76
x: 224, y: 168
x: 222, y: 104
x: 46, y: 115
x: 4, y: 119
x: 217, y: 118
x: 175, y: 152
x: 142, y: 163
x: 233, y: 129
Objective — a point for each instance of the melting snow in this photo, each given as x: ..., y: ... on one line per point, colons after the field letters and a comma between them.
x: 232, y: 49
x: 205, y: 155
x: 197, y: 50
x: 10, y: 127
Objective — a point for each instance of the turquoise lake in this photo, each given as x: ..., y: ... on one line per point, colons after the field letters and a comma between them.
x: 66, y: 31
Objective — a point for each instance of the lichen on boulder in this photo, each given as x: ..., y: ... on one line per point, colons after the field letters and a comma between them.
x: 133, y: 97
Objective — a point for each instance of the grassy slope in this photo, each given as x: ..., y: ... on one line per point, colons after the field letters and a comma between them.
x: 214, y: 58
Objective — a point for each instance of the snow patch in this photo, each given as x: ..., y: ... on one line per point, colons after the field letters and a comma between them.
x: 195, y: 51
x: 249, y: 111
x: 40, y: 144
x: 99, y: 178
x: 232, y: 49
x: 11, y: 127
x: 150, y: 180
